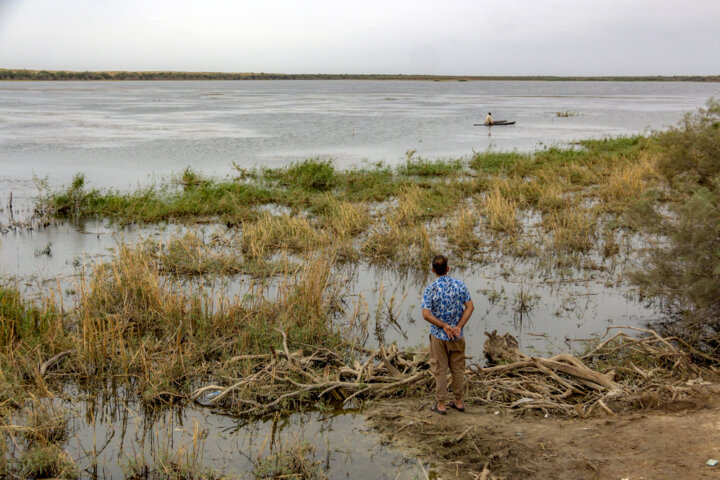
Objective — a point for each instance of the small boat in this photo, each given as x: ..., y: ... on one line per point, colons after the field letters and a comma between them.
x: 495, y: 122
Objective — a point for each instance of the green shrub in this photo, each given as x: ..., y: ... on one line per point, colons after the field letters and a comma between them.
x: 685, y: 271
x: 692, y: 150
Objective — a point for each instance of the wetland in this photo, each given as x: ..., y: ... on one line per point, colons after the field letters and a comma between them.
x: 206, y: 325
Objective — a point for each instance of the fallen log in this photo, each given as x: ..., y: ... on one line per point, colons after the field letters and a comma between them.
x: 49, y: 363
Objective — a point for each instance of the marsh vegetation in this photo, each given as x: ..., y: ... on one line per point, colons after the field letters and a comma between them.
x: 147, y: 320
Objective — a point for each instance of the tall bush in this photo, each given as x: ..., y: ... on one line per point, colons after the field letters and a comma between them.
x: 685, y: 270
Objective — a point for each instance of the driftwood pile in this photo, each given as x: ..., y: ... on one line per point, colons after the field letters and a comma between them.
x: 621, y: 370
x: 284, y: 378
x: 521, y: 381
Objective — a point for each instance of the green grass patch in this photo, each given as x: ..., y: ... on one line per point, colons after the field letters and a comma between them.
x: 421, y: 167
x: 21, y: 320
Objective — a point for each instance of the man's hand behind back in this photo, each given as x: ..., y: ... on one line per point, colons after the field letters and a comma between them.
x: 456, y: 331
x: 452, y: 332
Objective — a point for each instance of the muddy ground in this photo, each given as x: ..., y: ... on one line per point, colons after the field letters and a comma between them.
x: 671, y: 442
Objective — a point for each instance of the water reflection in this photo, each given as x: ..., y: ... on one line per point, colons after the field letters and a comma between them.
x: 112, y: 436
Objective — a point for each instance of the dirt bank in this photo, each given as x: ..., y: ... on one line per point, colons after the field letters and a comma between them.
x: 673, y: 442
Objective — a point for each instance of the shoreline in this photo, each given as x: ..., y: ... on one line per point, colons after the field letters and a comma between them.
x: 105, y: 75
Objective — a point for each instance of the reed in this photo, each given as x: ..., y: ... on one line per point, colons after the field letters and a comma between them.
x: 460, y: 232
x: 402, y: 246
x: 275, y: 232
x: 191, y: 255
x: 571, y: 230
x: 408, y: 208
x: 136, y: 322
x: 499, y: 211
x: 47, y: 462
x: 47, y: 423
x: 295, y: 460
x: 343, y: 219
x: 23, y: 320
x: 626, y: 183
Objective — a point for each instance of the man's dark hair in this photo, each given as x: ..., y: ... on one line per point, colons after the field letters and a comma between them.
x: 440, y: 264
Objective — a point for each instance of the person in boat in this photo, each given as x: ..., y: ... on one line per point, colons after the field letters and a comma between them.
x: 447, y: 305
x: 489, y: 119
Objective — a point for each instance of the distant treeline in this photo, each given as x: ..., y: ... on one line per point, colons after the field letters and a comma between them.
x: 8, y: 74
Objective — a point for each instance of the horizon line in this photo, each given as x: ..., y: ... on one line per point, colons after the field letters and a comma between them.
x: 43, y: 74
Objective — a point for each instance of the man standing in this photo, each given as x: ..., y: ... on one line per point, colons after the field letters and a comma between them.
x: 447, y: 306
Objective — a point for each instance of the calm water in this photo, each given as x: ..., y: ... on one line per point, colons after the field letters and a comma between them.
x: 107, y: 435
x: 121, y: 133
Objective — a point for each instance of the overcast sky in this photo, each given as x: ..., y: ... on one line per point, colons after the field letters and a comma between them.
x: 473, y: 37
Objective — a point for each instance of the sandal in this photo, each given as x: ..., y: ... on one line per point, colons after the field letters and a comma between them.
x: 435, y: 409
x: 459, y: 409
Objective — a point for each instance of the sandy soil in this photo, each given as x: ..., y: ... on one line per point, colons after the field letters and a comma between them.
x: 673, y: 442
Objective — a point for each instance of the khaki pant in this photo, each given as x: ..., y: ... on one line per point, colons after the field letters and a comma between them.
x: 444, y: 356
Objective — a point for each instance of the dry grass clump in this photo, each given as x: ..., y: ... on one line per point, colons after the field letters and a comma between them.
x: 342, y: 218
x: 546, y: 194
x: 399, y: 245
x: 294, y: 461
x: 512, y: 188
x: 308, y: 299
x: 280, y: 232
x: 578, y: 173
x: 518, y: 246
x: 192, y: 255
x: 408, y: 209
x: 610, y: 245
x: 627, y: 182
x: 31, y: 333
x: 460, y: 231
x: 47, y: 462
x: 46, y: 423
x: 499, y: 211
x: 571, y: 230
x: 24, y: 320
x: 128, y: 293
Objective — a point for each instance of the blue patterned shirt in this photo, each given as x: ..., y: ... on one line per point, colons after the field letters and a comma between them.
x: 445, y: 298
